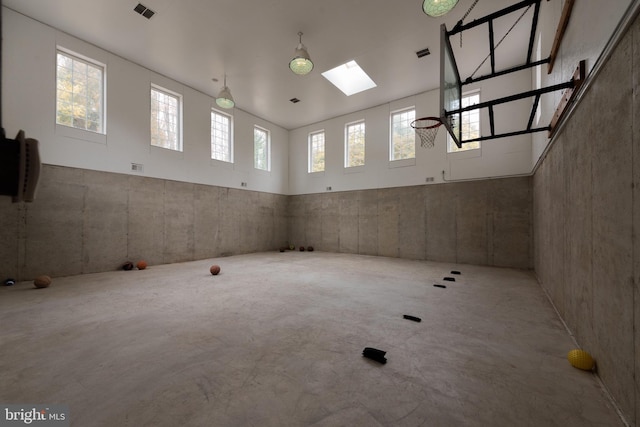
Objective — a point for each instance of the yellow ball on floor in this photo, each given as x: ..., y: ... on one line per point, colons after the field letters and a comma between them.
x: 581, y: 359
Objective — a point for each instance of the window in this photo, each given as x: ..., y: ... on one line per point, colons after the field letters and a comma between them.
x: 166, y: 118
x: 354, y: 144
x: 403, y: 136
x: 261, y: 149
x: 80, y: 93
x: 316, y: 151
x: 470, y: 125
x: 221, y: 140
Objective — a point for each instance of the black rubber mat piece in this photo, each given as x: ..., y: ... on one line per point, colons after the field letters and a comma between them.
x: 374, y: 354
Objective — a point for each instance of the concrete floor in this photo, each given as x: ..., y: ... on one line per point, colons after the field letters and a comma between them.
x: 276, y: 340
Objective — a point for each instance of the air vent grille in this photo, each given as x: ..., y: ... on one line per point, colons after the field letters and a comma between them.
x: 423, y: 52
x: 294, y: 100
x: 144, y: 11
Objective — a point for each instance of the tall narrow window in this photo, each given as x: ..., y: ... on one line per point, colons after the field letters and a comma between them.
x: 316, y: 151
x: 80, y: 93
x: 221, y: 137
x: 403, y: 136
x: 354, y: 144
x: 261, y: 149
x: 470, y: 125
x: 166, y: 119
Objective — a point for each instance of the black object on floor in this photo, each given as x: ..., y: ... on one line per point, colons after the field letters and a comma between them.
x: 414, y: 318
x: 449, y: 279
x: 440, y: 286
x: 374, y: 354
x: 455, y: 272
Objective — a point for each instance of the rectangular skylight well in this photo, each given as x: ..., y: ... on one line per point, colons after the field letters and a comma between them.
x: 349, y: 78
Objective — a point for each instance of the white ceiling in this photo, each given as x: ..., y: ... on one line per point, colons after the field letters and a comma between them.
x: 193, y: 41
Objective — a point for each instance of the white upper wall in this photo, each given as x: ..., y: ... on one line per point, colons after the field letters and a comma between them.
x: 498, y: 157
x: 590, y: 28
x: 29, y: 103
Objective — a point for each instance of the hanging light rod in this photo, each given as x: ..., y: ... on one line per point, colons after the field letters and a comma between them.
x: 301, y: 63
x: 224, y: 98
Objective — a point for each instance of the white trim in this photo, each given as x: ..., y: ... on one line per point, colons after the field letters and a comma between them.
x: 268, y: 132
x: 75, y: 56
x: 391, y: 114
x: 177, y: 95
x: 310, y: 149
x: 467, y: 94
x: 346, y: 145
x: 231, y: 135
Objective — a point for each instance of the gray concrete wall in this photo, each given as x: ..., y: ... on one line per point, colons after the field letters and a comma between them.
x: 587, y: 218
x: 86, y: 221
x: 480, y: 222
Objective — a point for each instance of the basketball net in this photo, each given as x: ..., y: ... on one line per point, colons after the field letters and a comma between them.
x: 427, y: 129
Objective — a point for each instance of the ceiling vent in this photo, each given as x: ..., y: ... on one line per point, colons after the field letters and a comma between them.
x: 144, y: 11
x: 423, y: 52
x: 294, y: 100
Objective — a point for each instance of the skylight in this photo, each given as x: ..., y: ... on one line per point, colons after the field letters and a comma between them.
x: 349, y: 78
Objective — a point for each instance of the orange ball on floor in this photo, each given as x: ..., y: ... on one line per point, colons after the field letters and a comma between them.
x: 42, y: 281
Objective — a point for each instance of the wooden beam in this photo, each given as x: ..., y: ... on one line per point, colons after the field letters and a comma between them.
x: 567, y: 97
x: 562, y: 26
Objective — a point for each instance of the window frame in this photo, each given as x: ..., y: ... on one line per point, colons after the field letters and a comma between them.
x: 230, y: 151
x: 311, y: 151
x: 267, y: 132
x: 179, y: 112
x: 98, y: 135
x: 347, y: 126
x: 451, y: 146
x: 391, y: 133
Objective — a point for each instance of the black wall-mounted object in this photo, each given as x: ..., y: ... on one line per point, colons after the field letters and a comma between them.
x: 19, y: 167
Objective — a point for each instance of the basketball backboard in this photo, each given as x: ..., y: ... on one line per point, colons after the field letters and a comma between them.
x: 450, y: 88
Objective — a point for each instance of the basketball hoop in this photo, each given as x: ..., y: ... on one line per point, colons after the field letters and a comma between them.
x: 427, y: 128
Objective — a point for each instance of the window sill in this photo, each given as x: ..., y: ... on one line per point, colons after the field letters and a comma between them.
x: 353, y: 169
x: 402, y: 163
x: 82, y: 135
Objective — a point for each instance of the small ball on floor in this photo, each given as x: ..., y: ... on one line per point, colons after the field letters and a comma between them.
x: 215, y: 269
x: 42, y: 281
x: 581, y: 359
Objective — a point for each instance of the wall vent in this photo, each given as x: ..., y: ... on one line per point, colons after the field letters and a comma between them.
x: 423, y: 52
x: 294, y: 100
x: 144, y: 11
x: 137, y: 167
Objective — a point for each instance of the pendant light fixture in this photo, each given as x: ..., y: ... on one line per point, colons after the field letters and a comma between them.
x: 437, y: 8
x: 224, y: 98
x: 301, y: 63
